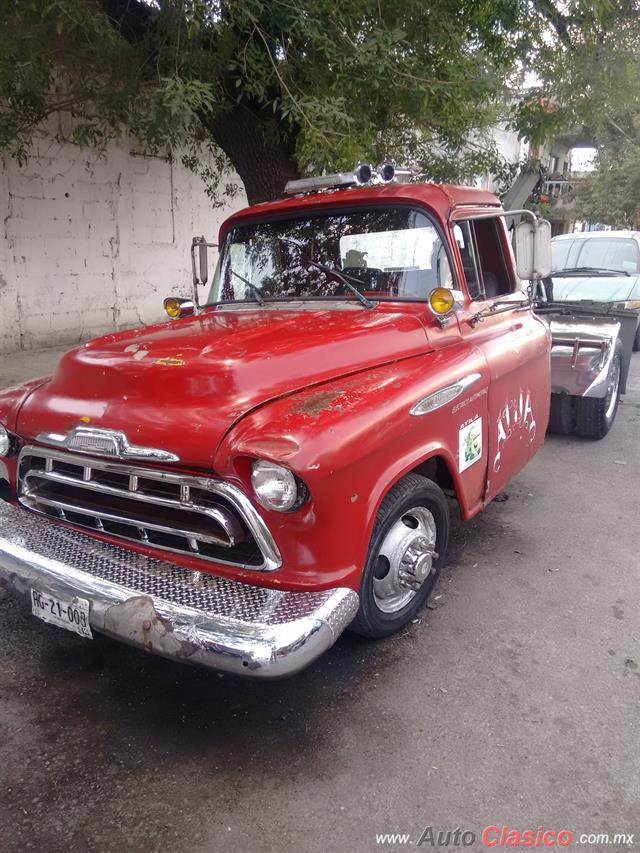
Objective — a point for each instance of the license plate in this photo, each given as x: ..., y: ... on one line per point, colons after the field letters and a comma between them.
x: 69, y: 613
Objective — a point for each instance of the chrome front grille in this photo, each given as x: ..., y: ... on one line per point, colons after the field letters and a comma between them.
x: 202, y: 517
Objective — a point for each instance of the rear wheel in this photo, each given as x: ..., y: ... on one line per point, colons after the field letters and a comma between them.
x: 636, y: 340
x: 595, y: 416
x: 408, y: 544
x: 562, y: 414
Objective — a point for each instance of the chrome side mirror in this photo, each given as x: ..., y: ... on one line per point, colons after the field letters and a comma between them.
x: 533, y: 248
x: 203, y: 262
x: 201, y: 268
x: 176, y: 306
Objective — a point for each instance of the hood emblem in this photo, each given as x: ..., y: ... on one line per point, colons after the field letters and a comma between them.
x: 104, y: 442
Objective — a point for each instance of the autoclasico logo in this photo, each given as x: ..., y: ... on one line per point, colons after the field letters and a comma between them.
x: 505, y: 836
x: 497, y: 836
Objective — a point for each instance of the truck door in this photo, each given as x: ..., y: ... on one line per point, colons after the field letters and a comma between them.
x: 515, y: 343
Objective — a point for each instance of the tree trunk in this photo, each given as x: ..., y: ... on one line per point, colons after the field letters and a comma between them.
x: 264, y: 165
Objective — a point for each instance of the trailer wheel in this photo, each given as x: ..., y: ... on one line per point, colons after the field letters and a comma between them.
x: 408, y: 544
x: 595, y: 416
x: 562, y: 418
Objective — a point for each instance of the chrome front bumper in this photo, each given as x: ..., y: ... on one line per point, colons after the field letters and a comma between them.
x: 168, y: 610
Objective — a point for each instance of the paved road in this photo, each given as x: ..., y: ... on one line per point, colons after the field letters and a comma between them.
x: 516, y: 701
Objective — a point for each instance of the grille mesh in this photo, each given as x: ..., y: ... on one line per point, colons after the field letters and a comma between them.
x: 148, y: 576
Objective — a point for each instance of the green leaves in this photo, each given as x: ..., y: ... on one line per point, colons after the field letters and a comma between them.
x: 611, y: 193
x: 315, y: 84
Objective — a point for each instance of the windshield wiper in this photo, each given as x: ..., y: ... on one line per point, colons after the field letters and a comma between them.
x: 592, y: 270
x: 346, y: 280
x: 254, y: 287
x: 343, y: 277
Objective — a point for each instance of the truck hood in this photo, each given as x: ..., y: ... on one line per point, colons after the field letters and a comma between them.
x: 179, y: 386
x: 598, y: 288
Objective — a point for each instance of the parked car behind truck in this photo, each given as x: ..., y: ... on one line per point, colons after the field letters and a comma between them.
x: 239, y: 485
x: 595, y: 278
x: 599, y: 266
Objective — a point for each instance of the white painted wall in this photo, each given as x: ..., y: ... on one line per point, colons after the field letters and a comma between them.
x: 93, y: 240
x: 509, y: 147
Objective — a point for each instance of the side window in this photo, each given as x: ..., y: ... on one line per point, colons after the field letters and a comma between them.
x: 483, y: 258
x: 464, y: 237
x: 493, y: 269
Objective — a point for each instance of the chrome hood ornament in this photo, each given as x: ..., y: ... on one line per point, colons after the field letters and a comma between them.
x: 104, y: 442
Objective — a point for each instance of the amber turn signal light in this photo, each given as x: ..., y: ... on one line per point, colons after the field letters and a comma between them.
x: 172, y: 308
x: 441, y: 300
x: 176, y: 306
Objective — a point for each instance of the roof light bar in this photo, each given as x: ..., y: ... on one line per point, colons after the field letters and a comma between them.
x: 362, y: 174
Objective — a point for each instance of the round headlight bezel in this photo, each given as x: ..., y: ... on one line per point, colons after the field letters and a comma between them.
x: 293, y: 490
x: 5, y: 441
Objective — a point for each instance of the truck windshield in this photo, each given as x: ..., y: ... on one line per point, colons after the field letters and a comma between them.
x: 387, y: 253
x: 615, y: 254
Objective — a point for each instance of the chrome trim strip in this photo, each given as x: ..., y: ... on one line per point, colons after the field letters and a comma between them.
x: 100, y: 516
x: 272, y: 559
x: 107, y: 442
x: 444, y: 395
x: 187, y: 616
x: 222, y: 517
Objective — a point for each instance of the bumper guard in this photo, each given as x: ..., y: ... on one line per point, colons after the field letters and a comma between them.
x: 168, y: 610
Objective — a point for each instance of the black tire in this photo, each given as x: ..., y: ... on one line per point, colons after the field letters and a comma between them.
x: 595, y: 416
x: 636, y: 340
x: 562, y: 419
x: 412, y: 491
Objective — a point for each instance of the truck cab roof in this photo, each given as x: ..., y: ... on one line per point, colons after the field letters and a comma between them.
x: 443, y: 198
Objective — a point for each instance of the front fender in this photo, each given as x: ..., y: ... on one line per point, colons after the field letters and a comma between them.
x: 11, y: 401
x: 582, y: 350
x: 350, y: 440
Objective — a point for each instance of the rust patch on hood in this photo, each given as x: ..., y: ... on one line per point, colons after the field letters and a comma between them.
x: 316, y: 403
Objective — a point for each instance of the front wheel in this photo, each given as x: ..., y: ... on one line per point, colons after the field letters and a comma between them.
x: 408, y: 545
x: 595, y: 415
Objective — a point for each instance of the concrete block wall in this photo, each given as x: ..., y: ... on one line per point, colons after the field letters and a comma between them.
x: 93, y: 240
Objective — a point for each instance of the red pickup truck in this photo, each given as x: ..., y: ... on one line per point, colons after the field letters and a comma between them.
x: 239, y: 485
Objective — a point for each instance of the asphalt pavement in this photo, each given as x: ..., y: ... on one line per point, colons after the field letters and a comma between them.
x: 514, y: 701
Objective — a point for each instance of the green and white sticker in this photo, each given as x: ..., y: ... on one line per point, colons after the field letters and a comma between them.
x: 469, y: 443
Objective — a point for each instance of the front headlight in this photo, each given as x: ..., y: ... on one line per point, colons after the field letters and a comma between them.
x: 276, y: 487
x: 5, y: 442
x: 634, y: 304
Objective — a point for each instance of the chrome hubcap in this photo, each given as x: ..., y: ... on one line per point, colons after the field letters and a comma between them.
x: 612, y: 389
x: 405, y: 559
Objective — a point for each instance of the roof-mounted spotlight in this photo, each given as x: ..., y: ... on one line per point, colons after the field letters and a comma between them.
x: 386, y: 172
x: 361, y: 175
x: 401, y: 174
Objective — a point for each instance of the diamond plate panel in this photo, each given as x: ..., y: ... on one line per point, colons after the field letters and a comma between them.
x: 158, y: 578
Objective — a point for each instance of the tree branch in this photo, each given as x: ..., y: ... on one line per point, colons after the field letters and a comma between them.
x: 131, y: 17
x: 557, y: 20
